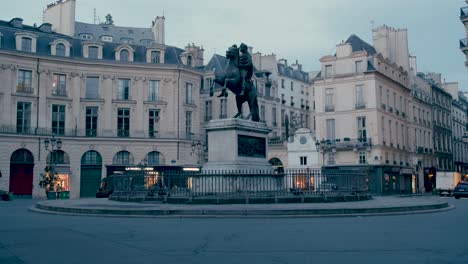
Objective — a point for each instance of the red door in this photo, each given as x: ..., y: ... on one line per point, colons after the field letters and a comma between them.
x: 21, y: 179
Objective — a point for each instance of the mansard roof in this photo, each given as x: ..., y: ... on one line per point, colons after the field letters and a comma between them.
x: 289, y: 72
x: 171, y: 54
x: 138, y: 35
x: 358, y: 44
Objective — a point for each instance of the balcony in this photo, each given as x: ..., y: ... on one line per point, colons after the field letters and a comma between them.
x: 24, y: 89
x: 420, y: 150
x: 83, y: 133
x: 360, y: 105
x: 346, y: 144
x: 329, y: 108
x: 60, y: 92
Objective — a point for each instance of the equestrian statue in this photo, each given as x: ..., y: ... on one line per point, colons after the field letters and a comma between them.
x: 236, y: 76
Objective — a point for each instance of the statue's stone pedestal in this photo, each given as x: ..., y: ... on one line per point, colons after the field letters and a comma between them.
x: 237, y: 145
x: 237, y: 159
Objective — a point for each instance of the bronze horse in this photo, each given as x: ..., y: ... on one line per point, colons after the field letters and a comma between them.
x: 231, y: 79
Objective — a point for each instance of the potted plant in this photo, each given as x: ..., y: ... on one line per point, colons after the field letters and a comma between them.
x: 6, y: 196
x: 48, y: 184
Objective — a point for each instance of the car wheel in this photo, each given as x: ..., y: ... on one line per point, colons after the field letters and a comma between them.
x: 457, y: 197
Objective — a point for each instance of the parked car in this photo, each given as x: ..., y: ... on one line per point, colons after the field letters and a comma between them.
x: 461, y: 190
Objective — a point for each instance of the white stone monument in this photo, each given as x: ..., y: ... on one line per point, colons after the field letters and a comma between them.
x: 237, y: 145
x: 237, y: 159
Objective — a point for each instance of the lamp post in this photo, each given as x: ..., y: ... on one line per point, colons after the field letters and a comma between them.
x: 55, y: 144
x: 321, y: 148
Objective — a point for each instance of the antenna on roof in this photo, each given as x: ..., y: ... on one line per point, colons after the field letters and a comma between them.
x: 96, y: 18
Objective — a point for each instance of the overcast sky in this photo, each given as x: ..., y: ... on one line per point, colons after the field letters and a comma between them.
x: 295, y: 29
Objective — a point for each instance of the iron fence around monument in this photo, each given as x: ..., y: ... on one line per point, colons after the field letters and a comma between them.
x: 238, y: 184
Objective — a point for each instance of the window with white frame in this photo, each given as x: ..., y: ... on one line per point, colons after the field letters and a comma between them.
x: 360, y: 96
x: 188, y: 93
x: 208, y: 110
x: 262, y: 113
x: 329, y: 100
x: 26, y: 44
x: 153, y: 94
x: 330, y: 123
x: 155, y: 56
x: 58, y: 119
x: 92, y: 87
x: 188, y: 124
x: 23, y: 117
x: 123, y: 92
x: 124, y: 55
x: 303, y: 160
x: 361, y: 128
x: 359, y: 66
x: 331, y: 158
x: 153, y: 122
x: 223, y: 108
x: 59, y: 85
x: 60, y: 50
x: 362, y: 157
x: 24, y: 81
x: 328, y: 71
x: 93, y: 52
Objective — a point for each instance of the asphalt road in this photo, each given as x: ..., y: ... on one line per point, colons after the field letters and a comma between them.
x: 27, y: 237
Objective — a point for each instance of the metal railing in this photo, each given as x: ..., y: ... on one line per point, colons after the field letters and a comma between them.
x: 346, y: 143
x: 94, y: 133
x: 238, y: 184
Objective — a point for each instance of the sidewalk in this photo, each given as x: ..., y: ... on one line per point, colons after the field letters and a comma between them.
x: 377, y: 206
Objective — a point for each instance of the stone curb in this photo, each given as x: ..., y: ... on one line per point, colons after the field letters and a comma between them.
x: 214, y: 213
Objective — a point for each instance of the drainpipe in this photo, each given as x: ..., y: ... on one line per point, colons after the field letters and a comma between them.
x: 37, y: 109
x: 178, y: 113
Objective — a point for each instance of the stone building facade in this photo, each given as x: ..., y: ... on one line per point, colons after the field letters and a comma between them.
x: 364, y: 112
x: 114, y: 102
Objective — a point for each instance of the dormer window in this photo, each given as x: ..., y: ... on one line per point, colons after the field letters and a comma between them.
x: 106, y: 38
x: 124, y: 53
x: 189, y: 61
x: 25, y: 42
x: 92, y: 50
x: 60, y: 50
x: 86, y: 36
x: 154, y: 55
x: 60, y: 47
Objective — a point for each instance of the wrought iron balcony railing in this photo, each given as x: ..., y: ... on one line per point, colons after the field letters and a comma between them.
x: 28, y: 131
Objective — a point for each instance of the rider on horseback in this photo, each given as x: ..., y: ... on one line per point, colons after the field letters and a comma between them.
x: 245, y: 67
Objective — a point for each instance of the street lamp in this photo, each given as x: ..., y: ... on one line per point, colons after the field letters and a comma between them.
x: 55, y: 144
x: 321, y: 148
